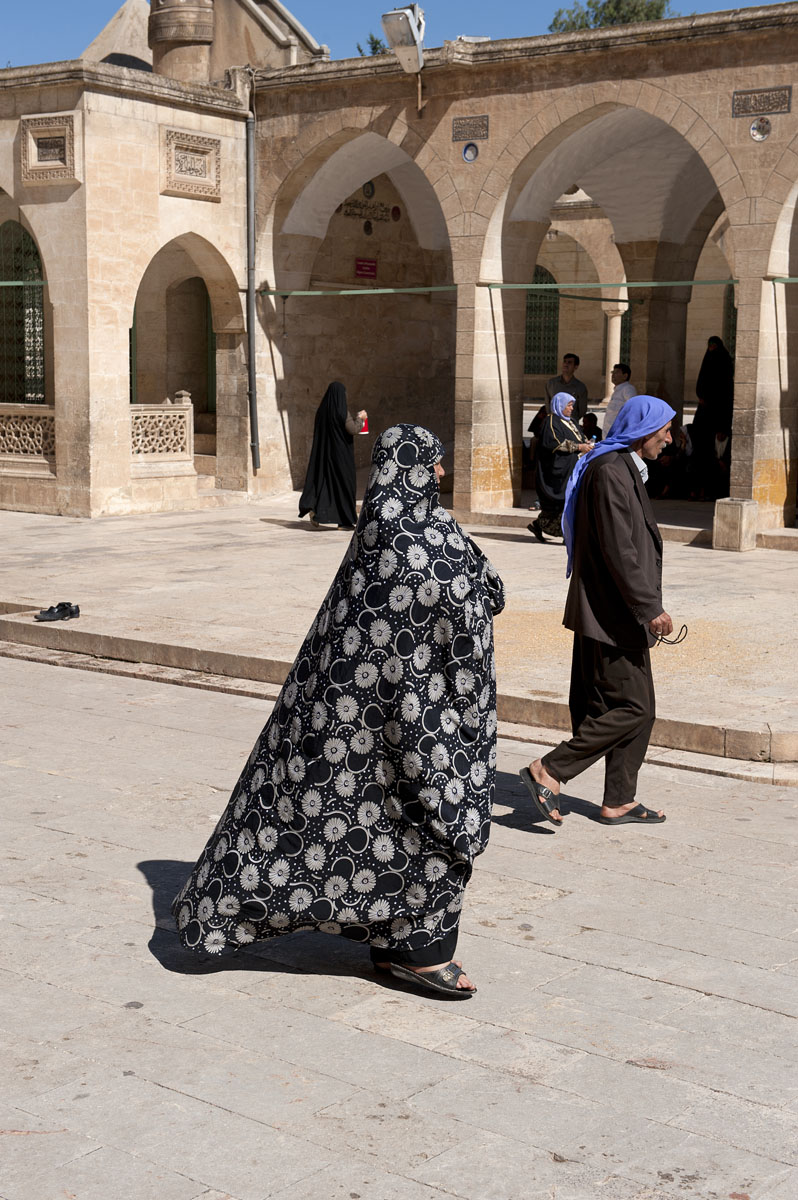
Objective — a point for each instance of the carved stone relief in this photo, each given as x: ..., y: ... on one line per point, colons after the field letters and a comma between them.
x: 48, y: 149
x: 31, y: 435
x: 162, y: 432
x: 190, y: 165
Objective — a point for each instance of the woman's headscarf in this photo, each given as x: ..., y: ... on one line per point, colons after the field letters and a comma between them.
x: 639, y: 418
x: 560, y: 402
x: 369, y: 791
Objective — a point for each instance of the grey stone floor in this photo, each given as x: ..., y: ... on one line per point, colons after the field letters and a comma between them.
x: 633, y: 1037
x: 249, y: 581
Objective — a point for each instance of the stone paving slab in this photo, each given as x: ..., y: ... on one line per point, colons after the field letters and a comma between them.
x: 631, y: 1039
x: 233, y: 591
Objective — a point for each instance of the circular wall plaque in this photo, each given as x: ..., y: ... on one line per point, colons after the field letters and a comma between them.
x: 368, y: 228
x: 760, y: 129
x: 470, y: 152
x: 396, y: 213
x: 368, y: 189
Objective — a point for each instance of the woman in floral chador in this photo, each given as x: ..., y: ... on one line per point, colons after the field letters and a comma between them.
x: 368, y: 794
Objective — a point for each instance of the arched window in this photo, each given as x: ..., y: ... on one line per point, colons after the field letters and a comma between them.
x: 21, y: 318
x: 729, y: 319
x: 542, y: 327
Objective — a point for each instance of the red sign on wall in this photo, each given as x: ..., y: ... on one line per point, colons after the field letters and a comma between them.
x: 365, y: 268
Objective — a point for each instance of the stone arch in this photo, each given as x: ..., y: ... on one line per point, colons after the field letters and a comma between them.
x: 209, y: 263
x: 546, y: 130
x: 322, y: 234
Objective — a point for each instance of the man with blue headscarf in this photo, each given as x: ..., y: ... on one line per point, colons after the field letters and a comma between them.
x: 615, y: 610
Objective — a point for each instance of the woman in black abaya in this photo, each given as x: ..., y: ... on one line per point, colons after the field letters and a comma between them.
x: 561, y: 441
x: 329, y: 493
x: 369, y: 792
x: 713, y: 415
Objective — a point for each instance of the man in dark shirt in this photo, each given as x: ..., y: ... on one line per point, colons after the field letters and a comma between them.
x: 567, y: 382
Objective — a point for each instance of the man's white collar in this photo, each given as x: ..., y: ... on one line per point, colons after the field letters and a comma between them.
x: 640, y: 464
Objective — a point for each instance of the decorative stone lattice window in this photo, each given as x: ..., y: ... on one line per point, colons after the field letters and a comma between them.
x: 161, y: 431
x: 542, y: 327
x: 27, y: 434
x: 21, y: 318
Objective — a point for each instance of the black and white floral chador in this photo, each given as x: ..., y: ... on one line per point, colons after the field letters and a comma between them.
x: 368, y: 794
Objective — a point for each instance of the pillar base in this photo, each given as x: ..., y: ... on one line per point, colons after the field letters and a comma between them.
x: 734, y: 525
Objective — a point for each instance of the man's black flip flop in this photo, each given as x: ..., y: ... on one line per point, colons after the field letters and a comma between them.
x: 543, y: 798
x: 639, y: 815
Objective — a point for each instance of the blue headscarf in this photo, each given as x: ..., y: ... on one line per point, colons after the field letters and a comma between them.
x: 639, y: 418
x: 559, y: 402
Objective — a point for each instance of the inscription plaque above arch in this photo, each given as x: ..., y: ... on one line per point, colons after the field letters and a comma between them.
x: 190, y: 165
x: 49, y: 149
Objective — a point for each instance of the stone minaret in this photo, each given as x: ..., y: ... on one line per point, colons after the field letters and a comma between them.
x: 180, y: 34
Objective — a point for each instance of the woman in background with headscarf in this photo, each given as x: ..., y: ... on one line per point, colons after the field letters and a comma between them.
x: 369, y: 792
x: 713, y: 415
x: 330, y: 484
x: 561, y: 442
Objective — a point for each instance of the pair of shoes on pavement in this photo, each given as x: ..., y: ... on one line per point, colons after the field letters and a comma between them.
x: 63, y: 611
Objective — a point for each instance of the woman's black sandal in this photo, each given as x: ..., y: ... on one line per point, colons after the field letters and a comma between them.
x: 444, y: 980
x: 543, y: 798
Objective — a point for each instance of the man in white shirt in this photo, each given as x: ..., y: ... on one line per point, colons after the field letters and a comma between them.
x: 624, y: 390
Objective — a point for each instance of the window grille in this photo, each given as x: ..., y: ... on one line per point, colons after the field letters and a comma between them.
x: 626, y: 336
x: 21, y: 318
x: 729, y: 319
x: 542, y: 327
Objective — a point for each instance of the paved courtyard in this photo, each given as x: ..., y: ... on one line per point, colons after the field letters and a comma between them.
x: 633, y: 1037
x: 235, y: 590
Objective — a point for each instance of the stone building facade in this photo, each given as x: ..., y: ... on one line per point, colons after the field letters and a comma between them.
x: 654, y: 155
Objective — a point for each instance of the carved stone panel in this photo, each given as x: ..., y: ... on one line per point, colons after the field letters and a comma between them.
x: 190, y: 165
x: 48, y: 149
x: 755, y: 102
x: 162, y: 431
x: 26, y: 434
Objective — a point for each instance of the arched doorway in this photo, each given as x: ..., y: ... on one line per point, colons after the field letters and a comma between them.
x: 187, y: 337
x: 366, y: 219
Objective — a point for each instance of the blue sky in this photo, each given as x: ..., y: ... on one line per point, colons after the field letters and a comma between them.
x: 36, y: 31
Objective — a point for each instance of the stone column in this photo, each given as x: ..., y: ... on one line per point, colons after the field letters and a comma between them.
x: 614, y: 317
x: 667, y: 339
x: 180, y: 34
x: 765, y: 426
x: 489, y: 365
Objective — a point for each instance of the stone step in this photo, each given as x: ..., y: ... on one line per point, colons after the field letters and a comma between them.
x: 204, y: 443
x: 219, y: 497
x: 205, y: 464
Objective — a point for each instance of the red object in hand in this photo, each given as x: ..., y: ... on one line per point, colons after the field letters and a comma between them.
x: 365, y: 428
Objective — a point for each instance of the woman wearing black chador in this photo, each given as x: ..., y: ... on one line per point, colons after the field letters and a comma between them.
x: 368, y: 794
x: 329, y: 493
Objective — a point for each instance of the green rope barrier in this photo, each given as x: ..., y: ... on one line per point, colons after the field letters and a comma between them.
x: 651, y: 283
x: 528, y: 287
x: 386, y: 291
